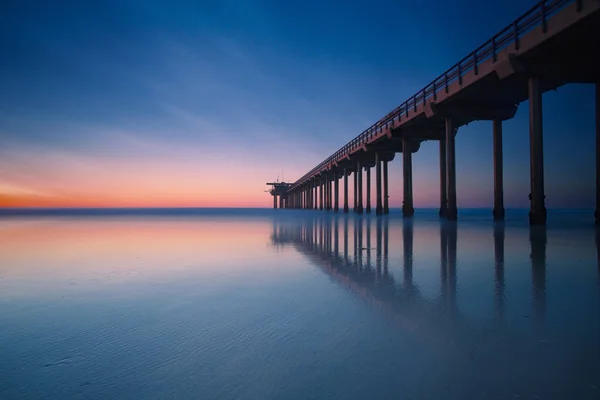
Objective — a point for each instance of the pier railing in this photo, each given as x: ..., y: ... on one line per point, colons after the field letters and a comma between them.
x: 536, y: 16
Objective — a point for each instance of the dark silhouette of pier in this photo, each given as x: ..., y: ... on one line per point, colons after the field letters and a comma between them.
x: 554, y: 43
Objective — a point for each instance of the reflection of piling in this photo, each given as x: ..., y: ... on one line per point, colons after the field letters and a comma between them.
x: 385, y: 240
x: 320, y: 243
x: 537, y: 238
x: 316, y: 235
x: 346, y: 239
x: 315, y: 241
x: 325, y: 235
x: 329, y: 235
x: 355, y: 231
x: 360, y: 240
x: 385, y: 244
x: 368, y: 234
x: 336, y: 247
x: 598, y: 250
x: 378, y: 245
x: 452, y: 241
x: 321, y: 233
x: 324, y: 240
x: 499, y: 269
x: 443, y: 262
x: 360, y: 243
x: 407, y: 241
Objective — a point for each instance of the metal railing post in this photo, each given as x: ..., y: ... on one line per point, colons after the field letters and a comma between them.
x: 446, y: 80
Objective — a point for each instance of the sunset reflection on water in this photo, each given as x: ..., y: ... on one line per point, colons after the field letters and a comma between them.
x: 297, y: 305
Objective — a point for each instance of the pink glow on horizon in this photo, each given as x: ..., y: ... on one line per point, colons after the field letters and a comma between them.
x: 203, y: 178
x: 179, y: 181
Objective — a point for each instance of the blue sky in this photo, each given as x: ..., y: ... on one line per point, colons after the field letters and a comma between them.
x: 135, y: 100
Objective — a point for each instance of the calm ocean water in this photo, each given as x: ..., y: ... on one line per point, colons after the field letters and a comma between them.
x: 293, y: 304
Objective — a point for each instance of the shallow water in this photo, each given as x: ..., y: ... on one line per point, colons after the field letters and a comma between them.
x: 288, y: 304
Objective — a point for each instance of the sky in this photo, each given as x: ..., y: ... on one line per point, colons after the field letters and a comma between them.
x: 147, y: 103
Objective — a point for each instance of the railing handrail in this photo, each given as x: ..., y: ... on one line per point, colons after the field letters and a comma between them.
x: 534, y: 17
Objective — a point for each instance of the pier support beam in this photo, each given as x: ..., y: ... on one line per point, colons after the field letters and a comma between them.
x: 328, y: 183
x: 537, y: 214
x: 407, y: 205
x: 275, y: 201
x: 451, y: 210
x: 329, y: 193
x: 597, y: 214
x: 355, y: 191
x: 306, y: 197
x: 386, y: 209
x: 326, y: 193
x: 345, y: 190
x: 336, y: 200
x: 321, y: 194
x: 378, y: 207
x: 316, y: 194
x: 443, y: 192
x: 498, y: 176
x: 368, y: 205
x: 324, y: 190
x: 359, y: 203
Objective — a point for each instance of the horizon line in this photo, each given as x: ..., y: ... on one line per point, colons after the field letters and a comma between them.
x: 3, y: 209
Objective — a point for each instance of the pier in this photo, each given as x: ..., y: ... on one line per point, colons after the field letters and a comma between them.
x: 554, y: 43
x: 279, y: 192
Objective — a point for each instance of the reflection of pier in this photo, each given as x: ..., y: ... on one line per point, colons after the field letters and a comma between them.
x: 341, y: 247
x: 598, y: 250
x: 537, y: 238
x: 369, y: 277
x: 499, y: 269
